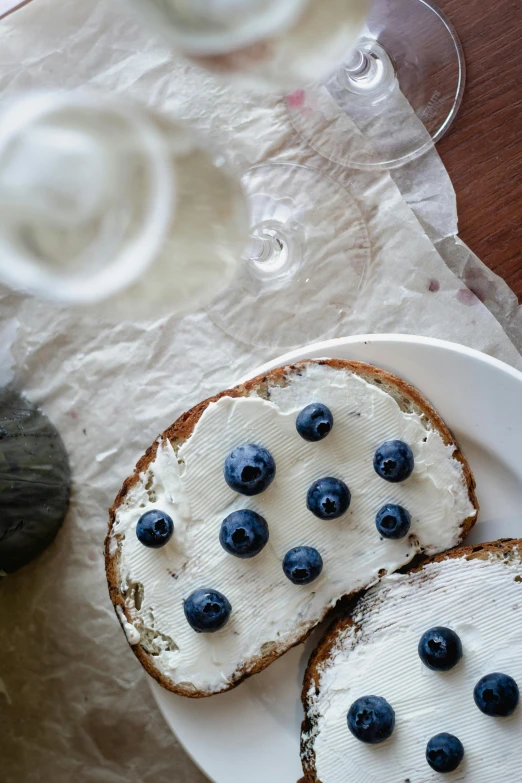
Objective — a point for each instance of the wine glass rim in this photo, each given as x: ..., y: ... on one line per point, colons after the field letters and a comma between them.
x: 207, y: 43
x: 22, y: 272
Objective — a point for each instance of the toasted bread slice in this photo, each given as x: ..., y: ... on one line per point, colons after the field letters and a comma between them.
x: 181, y: 474
x: 373, y: 650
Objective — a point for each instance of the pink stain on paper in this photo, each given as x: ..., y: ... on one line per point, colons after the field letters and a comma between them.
x: 74, y: 415
x: 296, y: 100
x: 434, y: 286
x: 466, y: 297
x: 478, y: 282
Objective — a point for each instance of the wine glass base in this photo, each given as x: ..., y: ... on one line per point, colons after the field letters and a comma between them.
x: 306, y: 261
x: 394, y: 98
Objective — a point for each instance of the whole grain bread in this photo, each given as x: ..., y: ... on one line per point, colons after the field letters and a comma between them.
x: 409, y: 400
x: 321, y: 657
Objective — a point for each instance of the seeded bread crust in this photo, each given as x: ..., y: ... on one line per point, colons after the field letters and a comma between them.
x: 408, y: 399
x: 505, y: 548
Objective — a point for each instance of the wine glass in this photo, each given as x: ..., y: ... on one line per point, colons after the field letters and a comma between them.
x: 309, y: 248
x: 102, y: 201
x: 307, y: 259
x: 394, y: 96
x: 105, y: 203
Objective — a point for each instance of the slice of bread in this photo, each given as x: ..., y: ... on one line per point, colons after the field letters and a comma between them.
x: 181, y: 474
x: 373, y: 650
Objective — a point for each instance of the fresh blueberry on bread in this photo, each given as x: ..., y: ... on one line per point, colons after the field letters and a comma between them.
x: 314, y: 422
x: 440, y: 649
x: 302, y: 565
x: 393, y: 521
x: 273, y: 512
x: 394, y: 461
x: 444, y: 753
x: 154, y: 529
x: 497, y: 695
x: 207, y: 611
x: 249, y: 469
x: 244, y: 533
x: 371, y: 719
x: 328, y: 498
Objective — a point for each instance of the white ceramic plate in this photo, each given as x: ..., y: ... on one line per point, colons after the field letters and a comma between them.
x: 251, y: 734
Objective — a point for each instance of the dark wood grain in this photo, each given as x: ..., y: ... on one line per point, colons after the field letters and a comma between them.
x: 483, y: 150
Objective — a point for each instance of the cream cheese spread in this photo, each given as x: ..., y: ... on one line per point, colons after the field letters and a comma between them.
x: 481, y: 600
x: 269, y: 611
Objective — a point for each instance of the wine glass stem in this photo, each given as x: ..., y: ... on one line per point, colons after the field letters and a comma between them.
x: 359, y: 64
x: 369, y: 71
x: 265, y: 248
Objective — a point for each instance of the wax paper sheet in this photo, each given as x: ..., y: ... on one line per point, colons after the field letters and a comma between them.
x: 427, y: 189
x: 74, y: 703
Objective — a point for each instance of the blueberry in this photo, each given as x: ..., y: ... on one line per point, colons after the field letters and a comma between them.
x: 393, y: 461
x: 314, y: 422
x: 444, y: 753
x: 440, y: 649
x: 302, y: 565
x: 371, y: 719
x: 154, y: 529
x: 328, y: 498
x: 243, y: 534
x: 496, y: 695
x: 393, y: 521
x: 207, y: 611
x: 249, y: 469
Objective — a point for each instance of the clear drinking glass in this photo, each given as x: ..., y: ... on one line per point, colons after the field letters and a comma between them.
x: 101, y: 200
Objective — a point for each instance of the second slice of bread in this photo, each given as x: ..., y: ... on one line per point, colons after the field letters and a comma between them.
x: 373, y: 650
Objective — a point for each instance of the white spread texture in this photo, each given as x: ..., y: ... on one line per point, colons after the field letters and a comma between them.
x: 481, y: 600
x: 131, y: 632
x: 267, y: 609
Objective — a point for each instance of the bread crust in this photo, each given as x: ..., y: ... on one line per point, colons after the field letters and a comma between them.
x: 408, y: 398
x: 322, y: 653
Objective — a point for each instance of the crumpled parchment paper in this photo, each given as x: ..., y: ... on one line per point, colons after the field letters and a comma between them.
x: 74, y: 703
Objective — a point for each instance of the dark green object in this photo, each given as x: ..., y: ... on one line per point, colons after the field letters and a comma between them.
x: 35, y: 480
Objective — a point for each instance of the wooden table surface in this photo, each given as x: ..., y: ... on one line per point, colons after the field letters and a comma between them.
x: 483, y: 150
